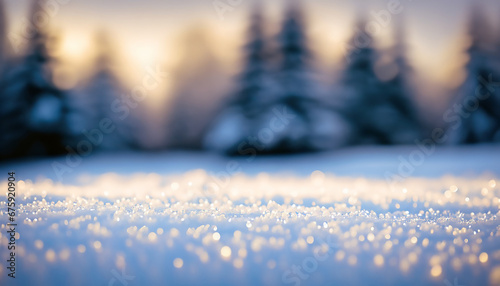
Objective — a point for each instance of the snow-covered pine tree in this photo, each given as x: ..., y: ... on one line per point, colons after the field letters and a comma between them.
x: 296, y: 94
x: 33, y: 106
x: 252, y: 82
x: 481, y: 122
x: 104, y: 98
x: 363, y: 89
x: 311, y: 124
x: 276, y: 107
x: 237, y: 120
x: 379, y: 101
x: 397, y: 114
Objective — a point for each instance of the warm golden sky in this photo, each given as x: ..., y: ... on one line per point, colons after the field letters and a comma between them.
x: 149, y: 32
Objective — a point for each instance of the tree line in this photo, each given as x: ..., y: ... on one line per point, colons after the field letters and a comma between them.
x: 276, y: 105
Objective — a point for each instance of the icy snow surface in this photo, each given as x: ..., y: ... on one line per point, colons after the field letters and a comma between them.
x: 317, y: 219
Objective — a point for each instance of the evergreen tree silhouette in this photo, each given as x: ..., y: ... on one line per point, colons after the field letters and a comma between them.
x: 34, y: 106
x: 364, y: 89
x: 317, y: 124
x: 380, y: 105
x: 479, y: 123
x: 399, y: 117
x: 252, y: 90
x: 297, y: 91
x: 276, y: 107
x: 252, y: 94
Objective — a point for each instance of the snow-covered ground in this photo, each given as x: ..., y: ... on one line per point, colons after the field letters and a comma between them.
x: 360, y: 216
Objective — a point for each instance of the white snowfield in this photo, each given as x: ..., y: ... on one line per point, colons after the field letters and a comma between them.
x: 316, y: 219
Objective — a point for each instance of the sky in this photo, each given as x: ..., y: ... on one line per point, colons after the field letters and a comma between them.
x: 150, y: 32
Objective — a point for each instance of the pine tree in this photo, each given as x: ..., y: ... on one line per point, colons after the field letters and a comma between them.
x: 398, y: 115
x: 311, y: 124
x: 34, y: 106
x: 480, y: 123
x: 104, y: 98
x: 295, y: 82
x: 364, y: 89
x: 251, y: 93
x: 276, y: 107
x: 379, y: 103
x: 237, y: 120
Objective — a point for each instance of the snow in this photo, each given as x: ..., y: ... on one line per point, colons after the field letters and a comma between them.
x: 313, y: 219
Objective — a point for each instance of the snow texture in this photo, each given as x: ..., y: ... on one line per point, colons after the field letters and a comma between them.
x: 204, y: 219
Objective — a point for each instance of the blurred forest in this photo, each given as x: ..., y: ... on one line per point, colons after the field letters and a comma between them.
x: 275, y: 104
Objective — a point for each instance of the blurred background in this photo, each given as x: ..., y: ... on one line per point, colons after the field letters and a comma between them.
x: 246, y: 77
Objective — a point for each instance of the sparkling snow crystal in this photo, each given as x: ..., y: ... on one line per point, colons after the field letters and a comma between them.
x: 257, y: 230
